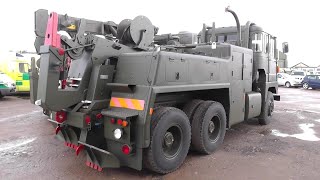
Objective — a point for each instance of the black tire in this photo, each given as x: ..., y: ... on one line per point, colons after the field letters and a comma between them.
x: 287, y: 84
x: 266, y: 113
x: 205, y: 139
x: 190, y: 108
x: 160, y: 156
x: 305, y: 85
x: 1, y: 96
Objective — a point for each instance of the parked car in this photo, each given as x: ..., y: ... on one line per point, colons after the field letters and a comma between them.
x: 7, y: 85
x: 17, y: 67
x: 288, y: 80
x: 299, y: 75
x: 313, y: 73
x: 312, y: 81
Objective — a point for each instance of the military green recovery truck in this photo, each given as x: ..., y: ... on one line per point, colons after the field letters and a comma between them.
x: 128, y: 97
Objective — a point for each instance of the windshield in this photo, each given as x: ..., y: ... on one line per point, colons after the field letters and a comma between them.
x: 298, y: 73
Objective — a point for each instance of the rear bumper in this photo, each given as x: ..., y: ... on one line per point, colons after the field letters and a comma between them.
x: 97, y: 158
x: 297, y: 85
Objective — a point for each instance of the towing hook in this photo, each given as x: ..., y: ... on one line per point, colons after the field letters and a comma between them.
x: 79, y: 149
x: 58, y: 128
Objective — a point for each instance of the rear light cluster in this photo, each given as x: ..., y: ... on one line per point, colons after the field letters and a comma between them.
x: 120, y: 122
x: 119, y: 132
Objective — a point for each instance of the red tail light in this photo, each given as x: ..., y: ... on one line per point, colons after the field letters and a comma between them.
x: 61, y: 116
x: 99, y: 116
x: 119, y: 122
x: 126, y: 149
x: 112, y: 120
x: 87, y: 119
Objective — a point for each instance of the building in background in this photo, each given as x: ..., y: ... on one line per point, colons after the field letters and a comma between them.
x: 304, y: 67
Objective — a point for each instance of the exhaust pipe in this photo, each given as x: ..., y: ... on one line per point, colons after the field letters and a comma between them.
x: 238, y: 25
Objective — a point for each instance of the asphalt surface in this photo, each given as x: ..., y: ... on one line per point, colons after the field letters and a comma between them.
x: 288, y: 148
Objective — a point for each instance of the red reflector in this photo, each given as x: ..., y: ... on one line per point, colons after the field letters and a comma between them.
x: 79, y: 149
x: 63, y: 84
x: 119, y: 121
x: 126, y: 149
x: 61, y: 116
x: 88, y: 119
x: 112, y: 120
x: 58, y: 128
x: 99, y: 116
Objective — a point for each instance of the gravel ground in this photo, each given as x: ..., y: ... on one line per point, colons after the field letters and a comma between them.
x: 288, y: 148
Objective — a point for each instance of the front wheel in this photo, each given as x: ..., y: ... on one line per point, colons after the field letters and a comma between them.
x: 288, y: 84
x: 305, y: 86
x: 170, y: 140
x: 267, y: 111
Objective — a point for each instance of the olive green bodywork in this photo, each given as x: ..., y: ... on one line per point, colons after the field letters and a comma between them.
x: 171, y: 73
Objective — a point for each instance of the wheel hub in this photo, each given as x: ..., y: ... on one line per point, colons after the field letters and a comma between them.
x: 271, y: 108
x: 211, y: 127
x: 168, y: 139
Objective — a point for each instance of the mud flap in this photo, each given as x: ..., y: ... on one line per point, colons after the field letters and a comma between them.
x: 68, y: 135
x: 98, y: 158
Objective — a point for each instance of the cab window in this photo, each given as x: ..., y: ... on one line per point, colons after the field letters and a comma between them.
x: 220, y: 39
x: 232, y: 38
x: 257, y: 42
x: 265, y: 43
x: 272, y: 47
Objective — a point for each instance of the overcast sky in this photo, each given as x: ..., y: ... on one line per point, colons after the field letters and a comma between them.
x: 291, y: 21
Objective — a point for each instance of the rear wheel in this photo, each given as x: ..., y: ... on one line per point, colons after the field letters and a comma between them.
x: 305, y: 85
x: 267, y: 111
x: 287, y: 84
x: 170, y: 140
x: 1, y: 96
x: 190, y: 108
x: 208, y: 127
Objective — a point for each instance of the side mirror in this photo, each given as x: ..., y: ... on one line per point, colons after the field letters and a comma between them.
x: 285, y: 47
x: 276, y: 54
